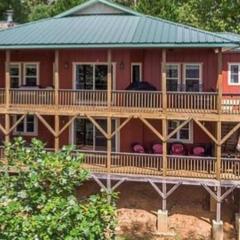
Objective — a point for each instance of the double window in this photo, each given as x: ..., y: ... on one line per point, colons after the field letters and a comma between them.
x: 185, y: 134
x: 24, y: 74
x: 191, y: 80
x: 28, y: 126
x: 234, y: 74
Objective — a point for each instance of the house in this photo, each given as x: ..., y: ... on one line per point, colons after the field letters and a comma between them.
x: 105, y: 78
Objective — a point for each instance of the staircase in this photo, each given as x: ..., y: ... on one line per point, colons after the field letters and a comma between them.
x: 230, y: 145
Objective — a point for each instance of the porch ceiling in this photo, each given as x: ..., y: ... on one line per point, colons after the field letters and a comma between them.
x: 123, y: 30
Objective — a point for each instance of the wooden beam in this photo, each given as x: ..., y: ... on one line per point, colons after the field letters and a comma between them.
x: 154, y: 130
x: 16, y: 123
x: 164, y: 80
x: 101, y: 185
x: 67, y: 124
x: 164, y: 146
x: 219, y: 81
x: 173, y: 189
x: 7, y: 78
x: 98, y: 127
x: 178, y: 128
x: 118, y: 184
x: 109, y: 144
x: 157, y: 189
x: 121, y: 126
x: 7, y: 127
x: 57, y: 127
x: 3, y: 129
x: 56, y: 76
x: 45, y: 123
x: 109, y: 77
x: 229, y: 134
x: 218, y: 150
x: 230, y: 190
x: 205, y: 130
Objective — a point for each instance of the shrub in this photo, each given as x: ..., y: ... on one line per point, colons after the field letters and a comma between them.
x: 38, y: 200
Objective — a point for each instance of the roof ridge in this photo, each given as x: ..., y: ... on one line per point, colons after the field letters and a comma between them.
x: 190, y: 27
x: 106, y: 2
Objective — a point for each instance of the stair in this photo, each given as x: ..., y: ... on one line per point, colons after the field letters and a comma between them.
x: 230, y: 145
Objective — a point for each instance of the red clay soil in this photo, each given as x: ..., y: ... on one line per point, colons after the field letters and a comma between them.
x: 189, y: 216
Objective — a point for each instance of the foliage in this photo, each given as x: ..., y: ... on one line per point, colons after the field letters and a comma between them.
x: 38, y: 202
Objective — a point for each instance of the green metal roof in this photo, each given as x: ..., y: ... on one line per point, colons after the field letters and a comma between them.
x: 123, y: 29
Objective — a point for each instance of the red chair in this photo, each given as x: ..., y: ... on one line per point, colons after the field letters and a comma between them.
x: 138, y: 148
x: 178, y: 149
x: 157, y: 148
x: 199, y: 151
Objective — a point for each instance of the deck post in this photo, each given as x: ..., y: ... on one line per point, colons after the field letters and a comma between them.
x: 109, y: 78
x: 7, y: 94
x: 57, y: 129
x: 164, y: 105
x: 109, y: 144
x: 56, y: 77
x: 218, y: 150
x: 219, y: 81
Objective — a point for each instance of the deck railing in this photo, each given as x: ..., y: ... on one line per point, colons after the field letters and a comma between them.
x: 191, y: 166
x: 32, y: 97
x: 124, y: 100
x: 145, y: 100
x: 192, y: 101
x: 230, y: 169
x: 231, y: 103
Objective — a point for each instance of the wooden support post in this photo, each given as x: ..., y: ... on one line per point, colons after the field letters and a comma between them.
x: 164, y: 81
x: 109, y: 144
x: 164, y: 200
x: 57, y: 130
x: 218, y: 210
x: 7, y: 128
x: 7, y: 78
x: 109, y: 77
x: 219, y: 81
x: 56, y: 77
x: 218, y: 150
x: 164, y: 145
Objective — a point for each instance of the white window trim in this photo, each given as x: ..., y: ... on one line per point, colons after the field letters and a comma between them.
x: 200, y: 73
x: 187, y: 141
x: 229, y: 74
x: 117, y: 135
x: 179, y: 71
x: 24, y: 72
x: 20, y: 71
x: 74, y: 64
x: 25, y: 133
x: 140, y: 68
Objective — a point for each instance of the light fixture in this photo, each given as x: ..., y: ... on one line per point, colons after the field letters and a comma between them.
x: 66, y: 65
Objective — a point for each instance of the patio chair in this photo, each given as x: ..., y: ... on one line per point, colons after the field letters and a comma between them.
x: 157, y: 148
x: 138, y: 148
x: 178, y: 149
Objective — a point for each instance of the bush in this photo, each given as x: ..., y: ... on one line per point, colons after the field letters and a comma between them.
x: 38, y: 201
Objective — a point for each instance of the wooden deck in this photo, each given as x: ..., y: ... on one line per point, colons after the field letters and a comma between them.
x: 127, y: 102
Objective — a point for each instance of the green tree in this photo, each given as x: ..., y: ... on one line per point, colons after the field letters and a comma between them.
x: 38, y: 201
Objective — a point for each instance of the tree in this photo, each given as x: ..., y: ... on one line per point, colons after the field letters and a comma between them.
x: 38, y: 201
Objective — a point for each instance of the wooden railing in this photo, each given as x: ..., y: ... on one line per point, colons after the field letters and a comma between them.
x: 231, y: 103
x: 81, y: 98
x: 230, y: 168
x: 191, y: 166
x: 192, y: 101
x: 123, y: 100
x: 32, y: 97
x: 144, y: 100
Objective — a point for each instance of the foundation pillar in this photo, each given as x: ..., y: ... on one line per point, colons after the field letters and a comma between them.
x: 212, y: 205
x: 162, y: 221
x: 217, y: 230
x: 237, y: 225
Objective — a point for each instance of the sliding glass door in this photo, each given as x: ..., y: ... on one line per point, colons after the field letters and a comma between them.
x: 87, y: 137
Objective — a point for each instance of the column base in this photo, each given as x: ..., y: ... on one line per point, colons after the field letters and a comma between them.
x: 217, y: 230
x: 162, y: 221
x: 237, y: 225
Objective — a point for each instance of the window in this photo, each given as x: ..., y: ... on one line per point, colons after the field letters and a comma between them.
x: 88, y: 137
x: 136, y: 72
x: 31, y: 78
x: 15, y: 75
x: 185, y: 134
x: 173, y: 77
x: 91, y: 76
x: 28, y: 126
x: 192, y: 77
x: 234, y: 74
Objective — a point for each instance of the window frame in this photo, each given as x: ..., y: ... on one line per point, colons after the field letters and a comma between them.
x: 229, y: 74
x: 74, y: 68
x: 178, y: 139
x: 19, y: 64
x: 179, y: 73
x: 24, y: 64
x: 184, y: 81
x: 140, y: 69
x: 25, y: 132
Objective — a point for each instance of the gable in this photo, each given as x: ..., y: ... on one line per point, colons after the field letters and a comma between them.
x: 97, y: 9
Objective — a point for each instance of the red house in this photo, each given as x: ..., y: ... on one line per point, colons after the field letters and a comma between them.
x: 144, y: 98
